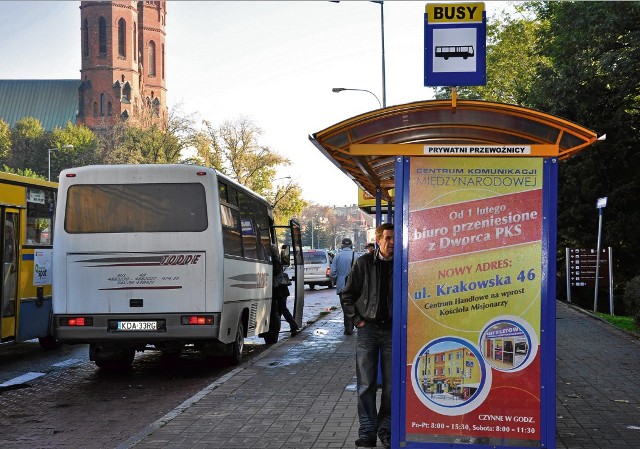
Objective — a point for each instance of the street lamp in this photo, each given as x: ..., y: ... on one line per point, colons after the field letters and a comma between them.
x: 340, y: 89
x: 600, y: 205
x: 49, y: 150
x: 384, y: 83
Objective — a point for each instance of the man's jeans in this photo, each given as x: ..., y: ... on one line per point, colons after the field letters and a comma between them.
x: 373, y: 340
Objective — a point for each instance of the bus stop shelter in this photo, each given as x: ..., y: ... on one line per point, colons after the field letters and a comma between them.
x: 438, y: 122
x: 473, y: 185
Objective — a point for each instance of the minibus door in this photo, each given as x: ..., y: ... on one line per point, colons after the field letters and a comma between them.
x: 296, y: 247
x: 9, y: 282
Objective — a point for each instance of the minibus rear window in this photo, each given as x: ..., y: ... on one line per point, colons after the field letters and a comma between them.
x: 133, y: 208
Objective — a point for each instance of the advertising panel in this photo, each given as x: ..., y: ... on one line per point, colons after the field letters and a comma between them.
x: 474, y: 282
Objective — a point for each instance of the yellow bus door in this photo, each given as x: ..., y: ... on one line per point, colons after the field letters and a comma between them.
x: 10, y: 231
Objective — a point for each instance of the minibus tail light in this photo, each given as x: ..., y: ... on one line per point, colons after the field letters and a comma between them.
x: 197, y: 320
x: 76, y: 321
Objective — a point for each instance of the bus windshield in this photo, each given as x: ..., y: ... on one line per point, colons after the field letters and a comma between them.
x: 127, y: 208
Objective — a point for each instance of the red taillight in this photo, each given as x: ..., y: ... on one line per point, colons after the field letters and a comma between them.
x: 197, y: 320
x: 71, y: 175
x: 201, y: 173
x: 76, y: 321
x: 328, y: 271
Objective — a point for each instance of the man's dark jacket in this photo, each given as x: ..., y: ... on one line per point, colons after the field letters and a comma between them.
x: 360, y: 294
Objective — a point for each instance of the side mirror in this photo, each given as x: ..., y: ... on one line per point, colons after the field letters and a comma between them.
x: 285, y: 255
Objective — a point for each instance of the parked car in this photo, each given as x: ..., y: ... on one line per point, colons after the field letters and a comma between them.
x: 317, y: 268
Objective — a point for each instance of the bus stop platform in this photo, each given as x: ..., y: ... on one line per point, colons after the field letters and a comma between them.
x: 300, y: 393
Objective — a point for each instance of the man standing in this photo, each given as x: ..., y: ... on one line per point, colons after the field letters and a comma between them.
x: 340, y: 269
x: 368, y: 300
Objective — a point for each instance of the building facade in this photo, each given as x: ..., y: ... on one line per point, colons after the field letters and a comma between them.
x: 123, y: 63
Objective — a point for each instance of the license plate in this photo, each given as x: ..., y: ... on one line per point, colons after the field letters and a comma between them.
x: 137, y: 325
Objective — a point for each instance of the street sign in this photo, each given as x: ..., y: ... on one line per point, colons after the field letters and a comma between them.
x: 582, y: 266
x: 455, y: 44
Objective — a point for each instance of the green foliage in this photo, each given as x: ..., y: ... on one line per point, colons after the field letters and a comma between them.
x: 77, y: 146
x: 28, y: 150
x: 511, y: 61
x: 592, y: 80
x: 621, y: 322
x: 5, y: 140
x: 27, y: 172
x: 234, y: 148
x: 631, y: 299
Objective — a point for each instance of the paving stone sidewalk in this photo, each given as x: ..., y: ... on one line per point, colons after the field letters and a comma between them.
x: 300, y: 394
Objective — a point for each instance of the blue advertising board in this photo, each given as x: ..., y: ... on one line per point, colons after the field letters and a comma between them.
x: 474, y: 333
x: 455, y: 44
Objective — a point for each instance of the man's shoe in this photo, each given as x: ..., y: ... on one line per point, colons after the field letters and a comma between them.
x: 385, y: 440
x: 366, y: 442
x: 294, y: 332
x: 346, y: 332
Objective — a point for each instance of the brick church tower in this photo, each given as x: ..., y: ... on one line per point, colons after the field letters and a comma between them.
x: 123, y: 63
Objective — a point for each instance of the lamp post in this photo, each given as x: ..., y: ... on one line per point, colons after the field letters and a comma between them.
x: 49, y: 150
x: 384, y: 83
x: 340, y: 89
x: 600, y: 205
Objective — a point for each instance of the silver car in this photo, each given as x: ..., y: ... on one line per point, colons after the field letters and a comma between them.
x: 317, y: 268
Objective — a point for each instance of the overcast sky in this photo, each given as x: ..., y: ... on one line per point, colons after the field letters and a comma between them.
x: 272, y: 62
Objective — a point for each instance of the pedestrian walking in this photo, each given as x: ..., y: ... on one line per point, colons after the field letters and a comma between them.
x: 368, y: 300
x: 340, y: 269
x: 370, y: 247
x: 280, y: 290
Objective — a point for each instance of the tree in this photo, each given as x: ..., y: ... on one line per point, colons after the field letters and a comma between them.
x: 83, y: 151
x: 5, y: 140
x: 29, y: 150
x: 592, y: 79
x: 512, y: 60
x: 27, y: 172
x: 234, y: 149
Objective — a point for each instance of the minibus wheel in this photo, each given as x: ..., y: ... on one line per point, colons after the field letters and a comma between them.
x: 238, y: 345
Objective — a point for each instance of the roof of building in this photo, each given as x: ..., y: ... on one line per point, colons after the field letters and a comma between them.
x: 53, y: 102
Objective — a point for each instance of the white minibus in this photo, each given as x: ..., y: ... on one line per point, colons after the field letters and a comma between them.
x: 158, y: 257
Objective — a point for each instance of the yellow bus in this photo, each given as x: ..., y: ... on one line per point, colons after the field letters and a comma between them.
x: 27, y: 207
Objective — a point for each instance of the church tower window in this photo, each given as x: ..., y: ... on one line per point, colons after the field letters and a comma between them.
x: 122, y: 38
x: 102, y: 36
x: 152, y: 58
x: 135, y: 41
x: 85, y: 38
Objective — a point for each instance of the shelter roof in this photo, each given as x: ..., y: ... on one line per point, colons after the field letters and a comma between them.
x: 439, y: 122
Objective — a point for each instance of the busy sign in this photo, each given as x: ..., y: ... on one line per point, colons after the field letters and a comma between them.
x: 455, y: 44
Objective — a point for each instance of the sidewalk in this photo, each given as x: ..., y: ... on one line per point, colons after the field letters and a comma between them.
x: 300, y: 394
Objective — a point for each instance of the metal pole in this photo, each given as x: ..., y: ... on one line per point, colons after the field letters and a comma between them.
x: 384, y: 82
x: 595, y: 297
x: 312, y: 226
x: 611, y: 281
x: 567, y: 251
x: 49, y: 158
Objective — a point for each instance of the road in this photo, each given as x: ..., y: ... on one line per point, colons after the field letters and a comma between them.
x: 60, y: 399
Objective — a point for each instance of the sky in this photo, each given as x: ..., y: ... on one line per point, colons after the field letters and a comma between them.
x: 273, y: 62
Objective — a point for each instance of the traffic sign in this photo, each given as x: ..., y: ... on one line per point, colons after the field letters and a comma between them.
x: 455, y: 44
